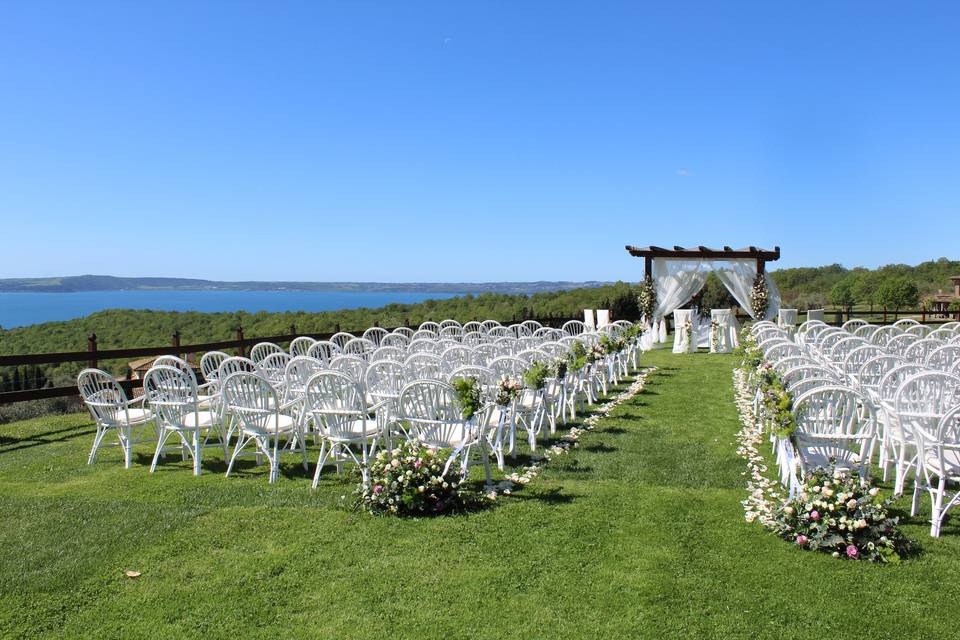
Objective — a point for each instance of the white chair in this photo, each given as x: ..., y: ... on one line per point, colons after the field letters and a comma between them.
x: 262, y: 349
x: 834, y: 424
x: 724, y: 331
x: 940, y: 467
x: 261, y: 419
x: 683, y: 337
x: 337, y: 408
x: 174, y: 401
x: 113, y: 411
x: 787, y: 320
x: 430, y: 409
x: 301, y: 346
x: 815, y: 314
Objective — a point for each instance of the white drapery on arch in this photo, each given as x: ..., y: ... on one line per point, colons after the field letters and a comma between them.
x: 678, y: 280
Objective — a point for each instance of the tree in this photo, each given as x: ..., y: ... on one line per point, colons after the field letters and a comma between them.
x: 898, y: 293
x: 842, y: 294
x: 865, y: 287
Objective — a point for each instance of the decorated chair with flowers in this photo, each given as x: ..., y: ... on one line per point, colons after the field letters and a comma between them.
x: 433, y: 415
x: 723, y: 331
x: 834, y: 423
x: 684, y: 340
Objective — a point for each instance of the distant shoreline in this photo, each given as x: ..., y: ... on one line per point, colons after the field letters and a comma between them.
x: 92, y: 283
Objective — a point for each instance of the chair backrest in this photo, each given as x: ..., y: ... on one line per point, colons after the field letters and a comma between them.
x: 451, y: 333
x: 384, y: 378
x: 919, y: 330
x: 485, y: 375
x: 395, y: 339
x: 898, y: 344
x: 873, y: 370
x: 884, y: 335
x: 423, y: 366
x: 923, y: 399
x: 430, y: 410
x: 354, y: 366
x: 406, y: 332
x: 236, y: 364
x: 424, y: 345
x: 323, y: 350
x: 178, y: 362
x: 803, y: 372
x: 920, y: 350
x: 341, y: 338
x: 431, y: 326
x: 262, y: 349
x: 336, y: 401
x: 395, y: 354
x: 274, y: 366
x: 103, y: 395
x: 852, y: 324
x: 865, y: 331
x: 171, y: 394
x: 455, y: 357
x: 375, y: 335
x: 856, y: 357
x: 508, y: 366
x: 473, y: 327
x: 301, y: 346
x: 573, y: 327
x: 298, y: 372
x: 892, y: 379
x: 800, y: 386
x: 905, y: 323
x: 831, y: 411
x: 252, y: 400
x: 210, y: 364
x: 360, y: 347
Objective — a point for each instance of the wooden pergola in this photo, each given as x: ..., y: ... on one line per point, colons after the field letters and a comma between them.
x: 762, y: 256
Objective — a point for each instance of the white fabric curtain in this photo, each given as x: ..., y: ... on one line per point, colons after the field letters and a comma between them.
x: 679, y: 280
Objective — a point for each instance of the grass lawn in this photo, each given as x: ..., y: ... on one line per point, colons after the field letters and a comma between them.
x: 638, y: 533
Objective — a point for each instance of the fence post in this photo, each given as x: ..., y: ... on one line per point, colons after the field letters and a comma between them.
x: 241, y: 349
x: 92, y: 348
x: 923, y: 314
x: 884, y: 314
x: 293, y: 330
x: 175, y: 341
x: 336, y: 328
x: 406, y: 321
x: 838, y: 317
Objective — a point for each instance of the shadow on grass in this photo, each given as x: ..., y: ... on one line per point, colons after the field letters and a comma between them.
x: 555, y: 496
x: 12, y: 443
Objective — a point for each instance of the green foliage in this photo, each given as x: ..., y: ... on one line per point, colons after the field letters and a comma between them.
x: 898, y: 293
x: 468, y: 396
x: 842, y: 293
x: 536, y: 375
x: 808, y: 287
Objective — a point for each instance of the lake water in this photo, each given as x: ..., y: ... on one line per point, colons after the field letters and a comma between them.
x: 19, y: 309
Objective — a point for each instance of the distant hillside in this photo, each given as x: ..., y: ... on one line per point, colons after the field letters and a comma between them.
x: 68, y: 284
x: 809, y: 287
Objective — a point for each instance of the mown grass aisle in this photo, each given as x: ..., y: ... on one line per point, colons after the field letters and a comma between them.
x: 639, y: 532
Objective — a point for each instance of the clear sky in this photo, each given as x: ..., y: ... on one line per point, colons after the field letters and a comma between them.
x: 471, y: 141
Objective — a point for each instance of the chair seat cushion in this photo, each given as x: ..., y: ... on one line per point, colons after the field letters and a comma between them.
x: 354, y: 430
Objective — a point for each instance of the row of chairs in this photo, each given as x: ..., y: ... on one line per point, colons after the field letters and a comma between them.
x: 862, y: 403
x: 347, y: 403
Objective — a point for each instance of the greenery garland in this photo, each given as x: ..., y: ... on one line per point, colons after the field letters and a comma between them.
x: 535, y: 377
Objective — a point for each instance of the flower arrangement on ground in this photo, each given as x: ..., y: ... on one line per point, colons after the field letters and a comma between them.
x: 409, y: 480
x: 468, y: 396
x: 759, y: 297
x: 844, y: 516
x: 508, y: 390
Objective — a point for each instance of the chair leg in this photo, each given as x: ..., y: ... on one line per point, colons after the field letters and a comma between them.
x: 197, y: 452
x: 320, y: 460
x: 160, y: 442
x: 101, y: 432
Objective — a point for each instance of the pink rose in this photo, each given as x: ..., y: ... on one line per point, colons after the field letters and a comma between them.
x: 378, y: 489
x: 801, y: 539
x: 814, y: 515
x: 852, y: 552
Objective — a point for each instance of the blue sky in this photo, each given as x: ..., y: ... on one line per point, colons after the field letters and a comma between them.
x: 417, y: 141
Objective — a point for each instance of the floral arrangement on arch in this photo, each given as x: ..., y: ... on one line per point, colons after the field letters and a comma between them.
x: 760, y: 297
x: 844, y: 516
x: 409, y: 481
x: 647, y: 298
x: 508, y: 390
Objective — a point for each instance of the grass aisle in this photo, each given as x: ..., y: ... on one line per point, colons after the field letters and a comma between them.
x: 637, y: 533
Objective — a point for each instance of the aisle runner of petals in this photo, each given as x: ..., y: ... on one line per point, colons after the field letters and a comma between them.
x: 764, y: 492
x: 570, y: 440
